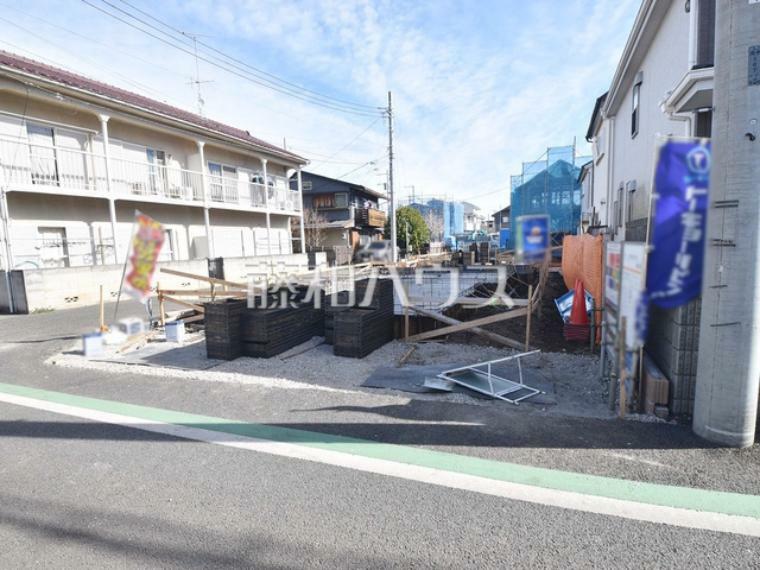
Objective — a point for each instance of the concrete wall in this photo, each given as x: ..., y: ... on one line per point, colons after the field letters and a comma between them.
x: 80, y: 286
x: 672, y: 344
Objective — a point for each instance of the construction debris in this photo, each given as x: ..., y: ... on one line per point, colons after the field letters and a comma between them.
x: 481, y: 378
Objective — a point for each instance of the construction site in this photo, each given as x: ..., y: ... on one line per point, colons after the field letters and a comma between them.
x: 484, y: 334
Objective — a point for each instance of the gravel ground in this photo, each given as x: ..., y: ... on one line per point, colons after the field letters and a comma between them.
x: 572, y: 380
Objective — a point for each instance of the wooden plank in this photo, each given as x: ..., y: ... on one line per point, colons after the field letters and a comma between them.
x: 406, y: 356
x: 202, y: 292
x: 198, y: 308
x: 530, y: 313
x: 475, y: 329
x: 204, y: 278
x: 193, y: 319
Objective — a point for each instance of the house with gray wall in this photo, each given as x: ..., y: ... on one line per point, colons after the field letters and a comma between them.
x: 662, y: 86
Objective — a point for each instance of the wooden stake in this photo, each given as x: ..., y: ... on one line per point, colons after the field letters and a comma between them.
x: 103, y: 327
x: 161, y: 305
x: 622, y: 373
x: 406, y: 323
x: 530, y: 313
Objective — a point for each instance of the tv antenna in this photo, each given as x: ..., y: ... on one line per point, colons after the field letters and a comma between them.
x: 197, y: 81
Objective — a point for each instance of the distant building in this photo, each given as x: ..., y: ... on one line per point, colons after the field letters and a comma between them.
x: 339, y: 213
x: 473, y: 218
x: 446, y: 218
x: 501, y: 219
x: 501, y: 224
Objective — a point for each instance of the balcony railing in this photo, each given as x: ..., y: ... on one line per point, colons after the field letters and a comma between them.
x: 24, y: 165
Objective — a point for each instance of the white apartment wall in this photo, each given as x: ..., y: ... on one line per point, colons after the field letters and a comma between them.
x: 87, y: 227
x: 633, y: 158
x: 182, y: 147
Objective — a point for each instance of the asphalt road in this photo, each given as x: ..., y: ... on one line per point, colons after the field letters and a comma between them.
x: 78, y: 493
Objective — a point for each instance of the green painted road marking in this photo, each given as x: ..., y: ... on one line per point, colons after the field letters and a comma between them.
x: 702, y: 500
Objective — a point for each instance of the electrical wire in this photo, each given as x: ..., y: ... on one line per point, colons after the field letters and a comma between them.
x: 114, y: 73
x: 255, y: 69
x: 234, y: 70
x: 349, y: 143
x: 111, y: 47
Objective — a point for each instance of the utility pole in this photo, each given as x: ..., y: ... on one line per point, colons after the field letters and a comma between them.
x: 728, y: 372
x: 391, y: 202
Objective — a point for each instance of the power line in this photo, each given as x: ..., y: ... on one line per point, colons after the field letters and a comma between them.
x: 31, y: 33
x: 256, y: 69
x: 232, y: 69
x: 349, y: 143
x: 110, y: 46
x: 342, y: 176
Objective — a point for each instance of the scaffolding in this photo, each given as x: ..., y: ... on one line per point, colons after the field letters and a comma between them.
x: 550, y: 185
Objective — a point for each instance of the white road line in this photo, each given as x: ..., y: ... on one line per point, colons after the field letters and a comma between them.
x: 550, y: 497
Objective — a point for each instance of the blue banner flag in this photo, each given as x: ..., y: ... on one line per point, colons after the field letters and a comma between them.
x: 532, y: 238
x: 682, y: 179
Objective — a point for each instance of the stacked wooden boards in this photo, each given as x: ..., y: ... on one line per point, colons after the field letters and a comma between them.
x: 223, y: 320
x: 268, y: 332
x: 355, y: 329
x: 360, y: 330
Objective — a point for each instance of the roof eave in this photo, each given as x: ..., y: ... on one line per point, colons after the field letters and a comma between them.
x: 645, y: 26
x: 185, y: 125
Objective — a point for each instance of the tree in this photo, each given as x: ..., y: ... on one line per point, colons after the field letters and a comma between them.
x: 435, y: 225
x: 409, y: 222
x: 314, y: 228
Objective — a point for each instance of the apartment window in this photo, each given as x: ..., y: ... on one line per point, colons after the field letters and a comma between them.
x: 306, y: 185
x: 42, y: 154
x: 341, y: 200
x: 705, y: 33
x: 703, y: 127
x: 636, y: 101
x: 54, y: 247
x: 223, y: 182
x: 156, y: 170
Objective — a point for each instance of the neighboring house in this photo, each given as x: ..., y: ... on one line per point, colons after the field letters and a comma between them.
x: 663, y: 85
x: 78, y: 157
x: 339, y: 213
x: 594, y: 173
x: 501, y: 219
x: 473, y: 218
x: 501, y: 225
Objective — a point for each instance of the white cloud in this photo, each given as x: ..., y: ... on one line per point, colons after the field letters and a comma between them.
x: 478, y: 87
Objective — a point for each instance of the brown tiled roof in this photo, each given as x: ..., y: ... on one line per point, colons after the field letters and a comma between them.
x: 61, y: 76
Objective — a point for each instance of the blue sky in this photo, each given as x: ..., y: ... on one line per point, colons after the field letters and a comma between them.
x: 479, y: 86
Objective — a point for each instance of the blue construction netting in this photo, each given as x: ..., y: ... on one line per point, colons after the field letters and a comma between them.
x: 549, y: 186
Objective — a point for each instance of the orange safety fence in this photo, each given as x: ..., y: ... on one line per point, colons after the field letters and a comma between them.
x: 582, y: 258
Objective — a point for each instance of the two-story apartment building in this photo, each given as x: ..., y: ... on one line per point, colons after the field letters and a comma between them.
x: 663, y: 86
x: 340, y: 214
x: 78, y: 157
